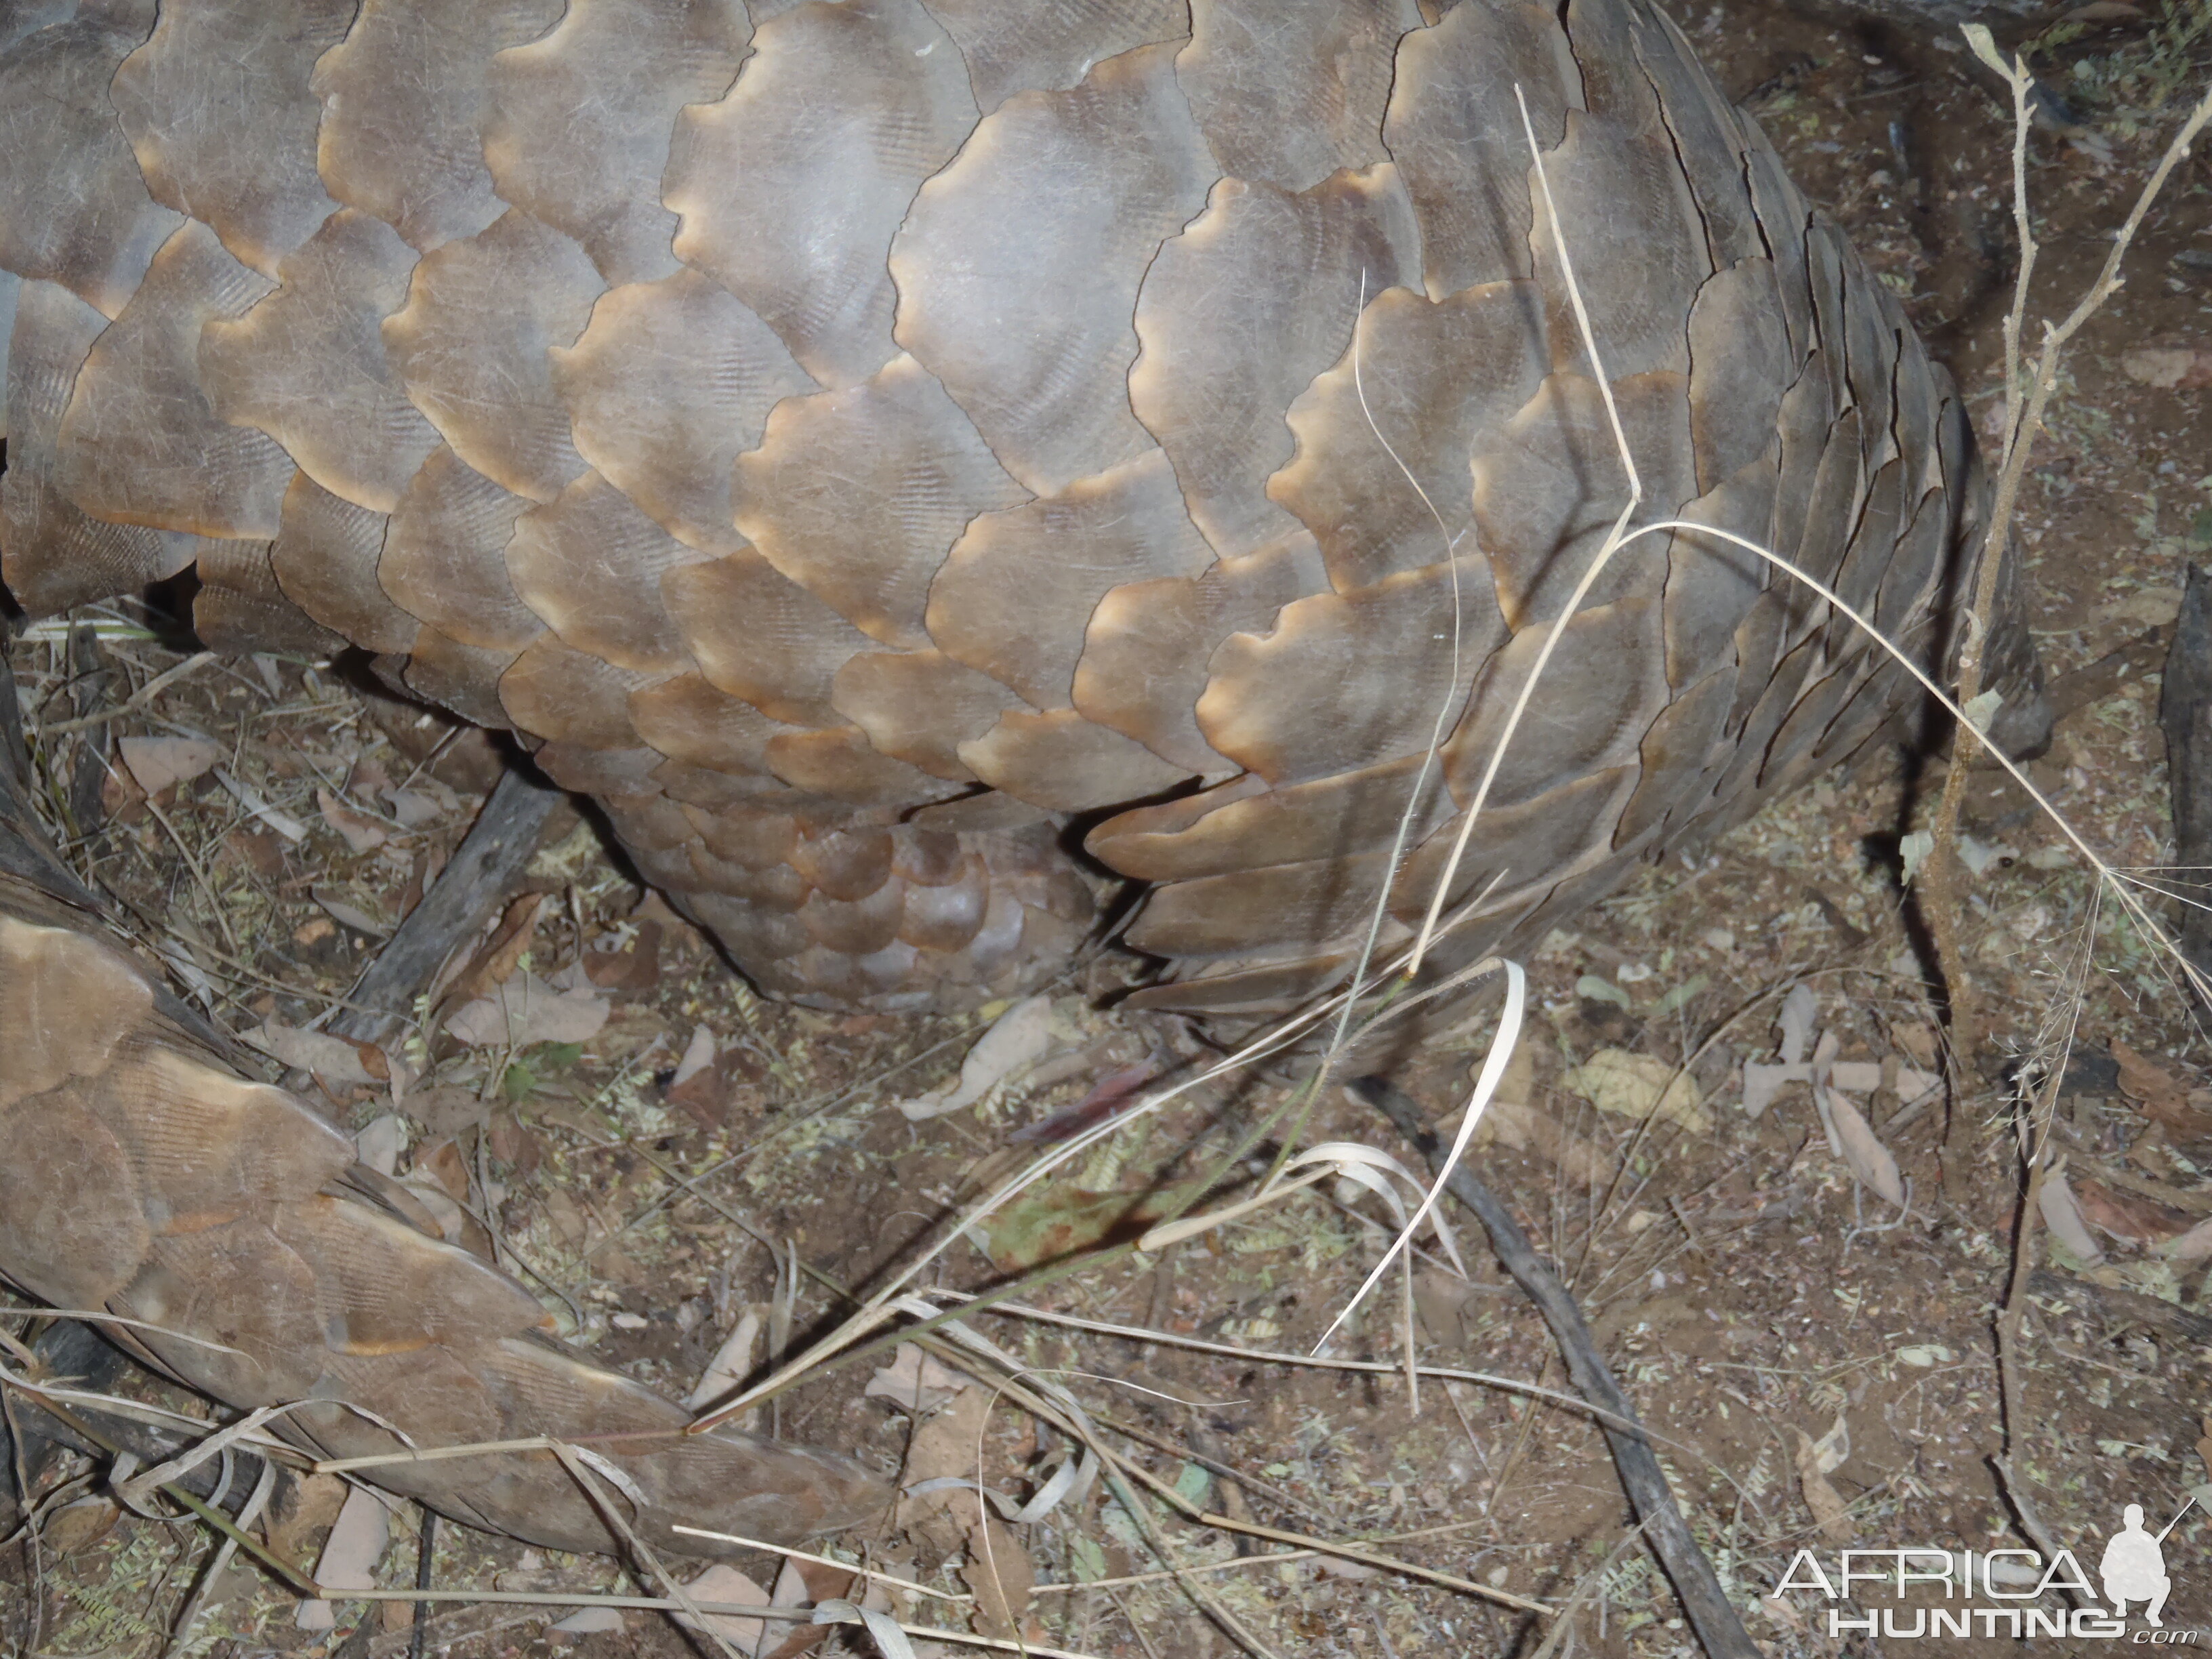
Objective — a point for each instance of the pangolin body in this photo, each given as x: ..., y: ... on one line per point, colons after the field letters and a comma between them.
x: 872, y: 445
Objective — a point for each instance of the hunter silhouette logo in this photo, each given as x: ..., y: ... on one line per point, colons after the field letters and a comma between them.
x: 2134, y: 1565
x: 2015, y: 1593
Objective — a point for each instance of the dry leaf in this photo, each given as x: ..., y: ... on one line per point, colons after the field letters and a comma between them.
x: 80, y: 1525
x: 1830, y: 1513
x: 333, y: 1059
x: 379, y: 1142
x: 415, y: 808
x: 698, y: 1055
x: 2142, y: 1081
x: 2204, y: 1447
x: 915, y: 1381
x: 2162, y: 1097
x: 356, y: 1544
x: 633, y: 971
x: 526, y: 1010
x: 2168, y: 367
x: 2128, y: 1216
x: 1869, y: 1160
x: 349, y: 915
x: 733, y: 1362
x: 944, y: 1447
x: 1335, y: 1566
x: 1530, y: 1129
x: 2194, y: 1245
x: 1000, y: 1573
x: 724, y: 1582
x: 585, y: 1621
x: 1016, y: 1039
x: 2063, y: 1217
x: 157, y: 763
x: 1919, y: 1040
x: 1630, y: 1086
x: 494, y: 962
x: 361, y: 833
x: 1800, y: 1009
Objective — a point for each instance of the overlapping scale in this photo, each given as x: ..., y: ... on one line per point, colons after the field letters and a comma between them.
x: 949, y: 417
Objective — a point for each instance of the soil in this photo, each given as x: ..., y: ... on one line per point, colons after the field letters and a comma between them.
x: 1759, y: 1301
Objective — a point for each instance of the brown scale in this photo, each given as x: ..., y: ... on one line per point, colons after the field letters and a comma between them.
x: 1456, y: 131
x: 1047, y: 45
x: 53, y: 553
x: 577, y: 132
x: 307, y: 365
x: 405, y: 96
x: 589, y: 565
x: 858, y: 494
x: 324, y: 559
x: 1238, y: 316
x: 791, y: 187
x: 1288, y: 93
x: 139, y: 395
x: 1019, y: 587
x: 669, y: 383
x: 866, y: 446
x: 74, y: 206
x: 1548, y: 487
x: 920, y: 707
x: 1259, y: 708
x: 471, y: 345
x: 241, y: 606
x: 1035, y: 345
x: 1147, y: 651
x: 218, y: 110
x: 1431, y: 377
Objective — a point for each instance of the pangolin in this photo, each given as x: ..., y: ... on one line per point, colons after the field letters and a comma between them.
x: 910, y: 462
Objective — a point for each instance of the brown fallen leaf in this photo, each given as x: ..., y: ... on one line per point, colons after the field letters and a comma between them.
x: 333, y: 1059
x: 1869, y: 1160
x: 526, y: 1010
x: 495, y: 961
x: 1112, y: 1094
x: 2172, y: 367
x: 1830, y: 1513
x: 80, y: 1525
x: 724, y: 1582
x: 349, y: 1555
x: 2063, y: 1217
x: 360, y: 832
x: 631, y: 971
x: 2129, y: 1216
x: 2163, y: 1097
x: 915, y: 1381
x: 512, y: 1144
x: 943, y: 1448
x: 1531, y: 1129
x: 2204, y: 1447
x: 1000, y: 1573
x: 157, y: 763
x: 1638, y: 1086
x: 2195, y: 1245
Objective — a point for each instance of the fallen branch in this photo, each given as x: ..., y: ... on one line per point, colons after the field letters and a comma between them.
x: 491, y: 860
x: 1711, y: 1618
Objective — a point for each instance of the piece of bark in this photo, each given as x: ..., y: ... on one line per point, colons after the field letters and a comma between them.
x: 490, y: 860
x: 2184, y: 715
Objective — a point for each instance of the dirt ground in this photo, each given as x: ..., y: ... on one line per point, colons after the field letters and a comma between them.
x: 1817, y: 1364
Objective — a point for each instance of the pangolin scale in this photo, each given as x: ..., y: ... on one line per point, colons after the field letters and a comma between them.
x: 909, y: 460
